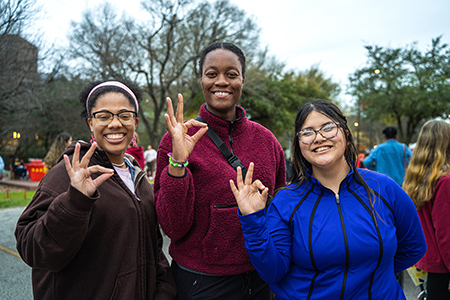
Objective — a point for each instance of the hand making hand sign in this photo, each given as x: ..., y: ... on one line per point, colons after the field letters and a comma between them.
x: 247, y: 194
x: 182, y: 143
x: 80, y: 173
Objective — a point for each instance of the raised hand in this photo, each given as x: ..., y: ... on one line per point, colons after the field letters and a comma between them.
x: 182, y: 143
x: 80, y: 173
x: 247, y: 194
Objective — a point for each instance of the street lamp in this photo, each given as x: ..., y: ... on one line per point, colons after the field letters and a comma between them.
x: 356, y: 124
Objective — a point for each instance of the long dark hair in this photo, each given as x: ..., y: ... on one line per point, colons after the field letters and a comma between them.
x: 300, y: 165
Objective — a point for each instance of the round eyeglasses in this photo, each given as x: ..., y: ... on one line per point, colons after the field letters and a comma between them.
x: 105, y: 117
x: 328, y: 131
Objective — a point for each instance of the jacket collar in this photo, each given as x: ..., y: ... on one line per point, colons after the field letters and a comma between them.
x: 221, y: 126
x: 345, y: 182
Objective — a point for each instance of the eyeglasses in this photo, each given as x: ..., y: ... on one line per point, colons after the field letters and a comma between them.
x: 105, y: 118
x: 328, y: 131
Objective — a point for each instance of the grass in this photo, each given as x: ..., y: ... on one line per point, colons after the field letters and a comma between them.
x: 16, y: 198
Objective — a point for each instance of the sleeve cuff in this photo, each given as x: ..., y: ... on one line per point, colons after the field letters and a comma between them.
x: 252, y: 222
x: 185, y: 174
x: 79, y: 201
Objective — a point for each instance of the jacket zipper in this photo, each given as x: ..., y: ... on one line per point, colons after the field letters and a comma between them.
x: 136, y: 181
x: 347, y: 259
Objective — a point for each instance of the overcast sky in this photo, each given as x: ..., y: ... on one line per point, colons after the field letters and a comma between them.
x: 301, y: 33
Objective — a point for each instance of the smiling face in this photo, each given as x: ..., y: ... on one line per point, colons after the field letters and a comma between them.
x: 115, y: 137
x: 222, y: 82
x: 323, y: 154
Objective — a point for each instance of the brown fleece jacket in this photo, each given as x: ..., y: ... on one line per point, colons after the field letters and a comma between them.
x: 104, y: 247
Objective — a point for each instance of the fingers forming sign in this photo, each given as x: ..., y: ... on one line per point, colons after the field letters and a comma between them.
x: 80, y: 172
x: 248, y: 196
x: 182, y: 143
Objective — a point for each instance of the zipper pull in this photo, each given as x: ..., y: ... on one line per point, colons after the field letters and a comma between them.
x: 337, y: 199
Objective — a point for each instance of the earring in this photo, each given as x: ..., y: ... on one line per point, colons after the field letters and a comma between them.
x: 92, y: 139
x: 134, y: 141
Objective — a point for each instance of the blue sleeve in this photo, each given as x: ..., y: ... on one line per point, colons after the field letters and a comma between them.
x: 411, y: 244
x: 369, y: 161
x: 268, y: 241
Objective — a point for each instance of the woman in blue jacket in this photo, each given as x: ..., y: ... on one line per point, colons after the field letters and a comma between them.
x: 336, y: 232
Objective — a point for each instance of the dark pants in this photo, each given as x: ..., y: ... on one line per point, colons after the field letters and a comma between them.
x: 246, y: 286
x: 21, y: 172
x: 437, y: 286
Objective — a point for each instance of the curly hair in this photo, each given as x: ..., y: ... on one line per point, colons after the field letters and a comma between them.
x: 429, y: 162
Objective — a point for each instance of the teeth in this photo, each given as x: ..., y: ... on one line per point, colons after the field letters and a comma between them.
x: 114, y: 136
x: 221, y: 93
x: 321, y: 149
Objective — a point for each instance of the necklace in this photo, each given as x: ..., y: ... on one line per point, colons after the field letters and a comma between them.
x: 118, y: 165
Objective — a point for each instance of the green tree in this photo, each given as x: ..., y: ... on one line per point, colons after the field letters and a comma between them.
x: 403, y: 86
x: 273, y: 98
x: 161, y: 52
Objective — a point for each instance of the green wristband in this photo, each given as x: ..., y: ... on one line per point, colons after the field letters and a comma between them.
x: 184, y: 165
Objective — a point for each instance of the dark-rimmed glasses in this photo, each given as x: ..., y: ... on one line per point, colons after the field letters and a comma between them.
x: 105, y: 117
x: 328, y: 131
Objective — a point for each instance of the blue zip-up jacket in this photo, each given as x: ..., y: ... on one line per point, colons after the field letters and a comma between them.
x: 313, y: 244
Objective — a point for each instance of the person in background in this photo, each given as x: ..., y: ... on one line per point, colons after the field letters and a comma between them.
x: 427, y: 181
x: 57, y: 148
x: 2, y: 167
x: 150, y: 160
x: 195, y: 206
x: 336, y: 232
x: 390, y: 158
x: 90, y: 231
x: 136, y: 151
x: 18, y: 168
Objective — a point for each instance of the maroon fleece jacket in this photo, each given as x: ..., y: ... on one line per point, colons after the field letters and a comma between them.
x: 138, y: 153
x: 434, y: 216
x: 198, y: 211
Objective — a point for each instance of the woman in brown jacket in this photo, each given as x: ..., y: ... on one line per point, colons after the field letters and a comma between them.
x: 90, y: 231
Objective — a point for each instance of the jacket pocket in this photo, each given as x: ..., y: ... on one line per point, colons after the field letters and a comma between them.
x: 125, y: 286
x: 222, y: 206
x: 224, y: 242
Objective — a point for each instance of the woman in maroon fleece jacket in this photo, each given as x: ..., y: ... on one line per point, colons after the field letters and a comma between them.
x: 90, y: 231
x: 194, y: 203
x: 427, y: 181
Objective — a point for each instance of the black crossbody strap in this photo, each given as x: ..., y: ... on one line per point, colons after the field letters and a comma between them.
x: 232, y: 159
